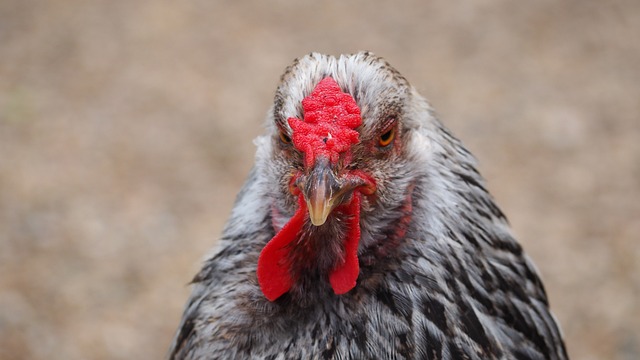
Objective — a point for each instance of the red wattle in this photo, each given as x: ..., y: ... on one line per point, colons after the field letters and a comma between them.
x: 273, y: 272
x: 343, y: 278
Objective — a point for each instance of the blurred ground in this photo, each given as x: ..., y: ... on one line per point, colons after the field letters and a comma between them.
x: 126, y: 128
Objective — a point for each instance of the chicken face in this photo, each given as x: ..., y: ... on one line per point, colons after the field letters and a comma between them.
x: 325, y: 137
x: 334, y: 154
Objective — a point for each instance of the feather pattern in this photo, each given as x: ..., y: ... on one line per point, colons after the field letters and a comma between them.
x: 441, y: 275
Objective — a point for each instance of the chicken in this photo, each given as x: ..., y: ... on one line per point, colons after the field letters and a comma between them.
x: 364, y: 231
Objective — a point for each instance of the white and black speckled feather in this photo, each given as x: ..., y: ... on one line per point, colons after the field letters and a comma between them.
x: 452, y: 283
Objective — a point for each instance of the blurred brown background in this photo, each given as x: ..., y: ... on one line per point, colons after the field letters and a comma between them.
x: 126, y: 128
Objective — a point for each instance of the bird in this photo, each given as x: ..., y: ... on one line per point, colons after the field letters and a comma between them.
x: 364, y: 231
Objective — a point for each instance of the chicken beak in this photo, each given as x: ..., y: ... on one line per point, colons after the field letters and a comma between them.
x: 322, y: 191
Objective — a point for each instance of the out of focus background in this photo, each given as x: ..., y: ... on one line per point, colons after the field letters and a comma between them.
x: 126, y: 129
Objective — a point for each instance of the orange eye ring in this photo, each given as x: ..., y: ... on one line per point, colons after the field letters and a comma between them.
x: 387, y: 138
x: 284, y: 137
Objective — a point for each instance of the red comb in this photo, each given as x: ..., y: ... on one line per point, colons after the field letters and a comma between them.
x: 330, y: 119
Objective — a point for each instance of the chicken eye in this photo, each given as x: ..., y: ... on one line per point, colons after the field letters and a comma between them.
x: 285, y: 138
x: 386, y: 138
